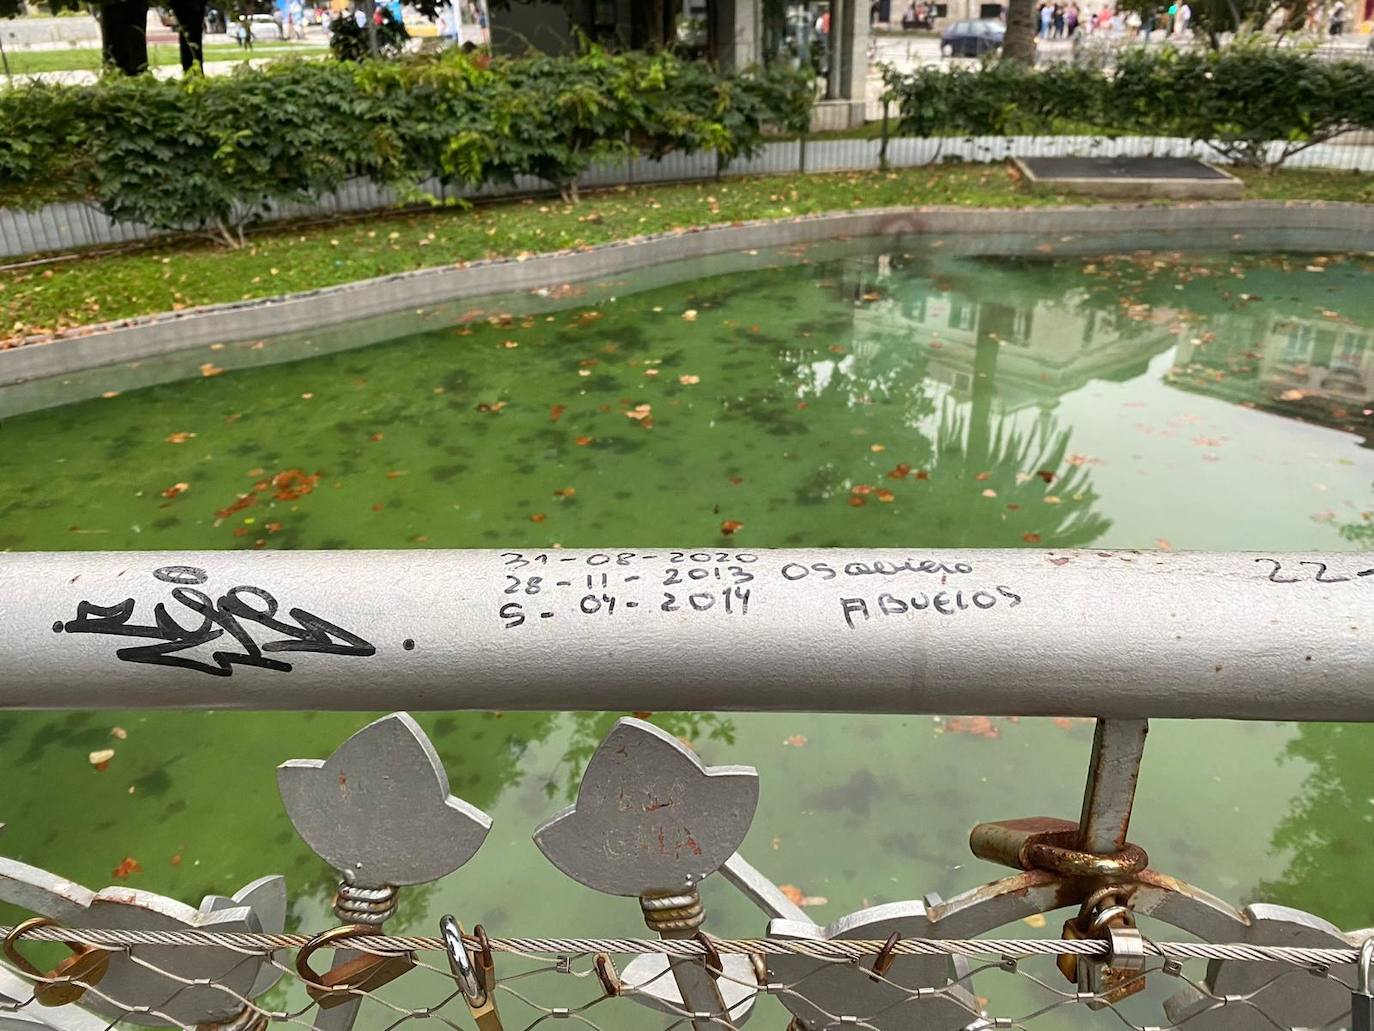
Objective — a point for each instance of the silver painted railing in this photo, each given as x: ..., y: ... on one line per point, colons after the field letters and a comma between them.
x: 1119, y: 635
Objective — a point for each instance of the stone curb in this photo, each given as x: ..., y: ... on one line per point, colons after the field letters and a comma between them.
x: 1265, y: 223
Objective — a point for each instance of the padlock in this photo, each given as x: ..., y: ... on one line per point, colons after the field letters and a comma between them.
x: 348, y: 980
x: 1362, y: 995
x: 476, y: 981
x: 1120, y: 974
x: 67, y: 982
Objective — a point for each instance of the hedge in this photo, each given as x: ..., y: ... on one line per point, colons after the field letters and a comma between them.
x: 1237, y: 100
x: 215, y: 153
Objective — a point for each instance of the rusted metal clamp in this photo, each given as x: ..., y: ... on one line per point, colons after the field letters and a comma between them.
x: 882, y: 962
x: 1048, y: 843
x: 66, y: 982
x: 355, y: 977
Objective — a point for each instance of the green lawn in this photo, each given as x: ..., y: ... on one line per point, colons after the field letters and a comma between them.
x: 28, y: 62
x: 185, y: 273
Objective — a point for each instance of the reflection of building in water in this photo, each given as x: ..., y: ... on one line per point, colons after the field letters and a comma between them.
x: 1043, y: 349
x: 1320, y: 370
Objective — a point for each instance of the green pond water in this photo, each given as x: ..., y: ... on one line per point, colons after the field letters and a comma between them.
x: 851, y: 395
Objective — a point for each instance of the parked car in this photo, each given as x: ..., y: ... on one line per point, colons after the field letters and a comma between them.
x: 266, y: 26
x: 972, y: 38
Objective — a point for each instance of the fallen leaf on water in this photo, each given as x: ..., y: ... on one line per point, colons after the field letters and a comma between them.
x: 395, y: 474
x: 989, y: 493
x: 861, y: 488
x: 110, y: 393
x: 1293, y: 395
x: 901, y: 472
x: 857, y: 501
x: 885, y: 496
x: 494, y: 406
x: 1030, y: 538
x: 1163, y: 544
x: 640, y: 412
x: 795, y: 740
x: 1047, y: 475
x: 510, y: 343
x: 128, y: 865
x: 175, y: 489
x: 730, y: 526
x: 176, y: 859
x: 690, y: 315
x: 538, y: 517
x: 877, y: 448
x: 1051, y: 499
x: 980, y: 477
x: 180, y: 437
x: 793, y: 893
x: 1036, y: 920
x: 119, y: 733
x: 978, y: 726
x: 1063, y: 723
x: 556, y: 412
x: 210, y: 369
x: 582, y: 441
x: 100, y: 758
x: 375, y: 438
x: 565, y: 492
x: 688, y: 380
x: 921, y: 474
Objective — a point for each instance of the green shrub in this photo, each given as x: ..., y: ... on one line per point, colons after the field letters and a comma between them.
x: 1237, y: 100
x: 349, y: 41
x: 212, y: 154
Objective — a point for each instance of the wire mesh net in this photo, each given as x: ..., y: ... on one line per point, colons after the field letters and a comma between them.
x: 197, y: 979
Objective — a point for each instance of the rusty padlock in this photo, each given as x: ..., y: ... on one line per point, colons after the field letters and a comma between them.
x: 66, y: 982
x: 352, y: 978
x: 1116, y: 976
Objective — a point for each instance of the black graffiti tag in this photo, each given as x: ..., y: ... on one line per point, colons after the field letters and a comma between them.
x: 232, y: 619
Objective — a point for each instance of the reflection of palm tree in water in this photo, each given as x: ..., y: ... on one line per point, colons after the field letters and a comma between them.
x: 1051, y: 510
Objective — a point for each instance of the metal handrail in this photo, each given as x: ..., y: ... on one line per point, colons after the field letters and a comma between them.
x: 1123, y: 634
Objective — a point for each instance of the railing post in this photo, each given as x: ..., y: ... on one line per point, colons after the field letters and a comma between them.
x: 1109, y: 794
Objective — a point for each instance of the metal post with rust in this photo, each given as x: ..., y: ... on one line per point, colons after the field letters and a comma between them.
x: 1118, y: 746
x: 681, y: 916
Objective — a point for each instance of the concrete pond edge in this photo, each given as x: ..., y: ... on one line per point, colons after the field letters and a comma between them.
x: 1260, y: 224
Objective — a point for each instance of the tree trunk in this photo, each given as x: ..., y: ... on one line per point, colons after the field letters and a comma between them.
x: 124, y: 35
x: 1019, y: 43
x: 190, y: 15
x: 371, y: 8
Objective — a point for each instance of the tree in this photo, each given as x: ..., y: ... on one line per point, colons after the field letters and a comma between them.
x: 1213, y: 18
x: 1018, y: 44
x: 123, y: 33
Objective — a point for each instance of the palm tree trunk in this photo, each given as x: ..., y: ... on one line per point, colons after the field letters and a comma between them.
x: 1019, y: 42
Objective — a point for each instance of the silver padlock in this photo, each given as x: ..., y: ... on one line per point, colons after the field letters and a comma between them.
x: 1362, y: 996
x: 1121, y: 973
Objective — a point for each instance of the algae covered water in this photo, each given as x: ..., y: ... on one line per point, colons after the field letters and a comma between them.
x: 856, y: 396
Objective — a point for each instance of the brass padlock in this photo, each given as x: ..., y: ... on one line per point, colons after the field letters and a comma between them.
x: 66, y: 982
x: 352, y: 978
x: 1097, y: 975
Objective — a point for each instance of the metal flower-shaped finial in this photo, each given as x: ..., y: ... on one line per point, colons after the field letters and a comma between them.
x: 650, y: 819
x: 828, y: 991
x: 166, y: 979
x: 379, y: 810
x: 1288, y: 996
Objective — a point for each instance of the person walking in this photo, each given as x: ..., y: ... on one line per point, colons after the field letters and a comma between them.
x: 1338, y: 18
x: 1046, y: 17
x: 1058, y: 21
x: 1071, y: 19
x: 1184, y: 16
